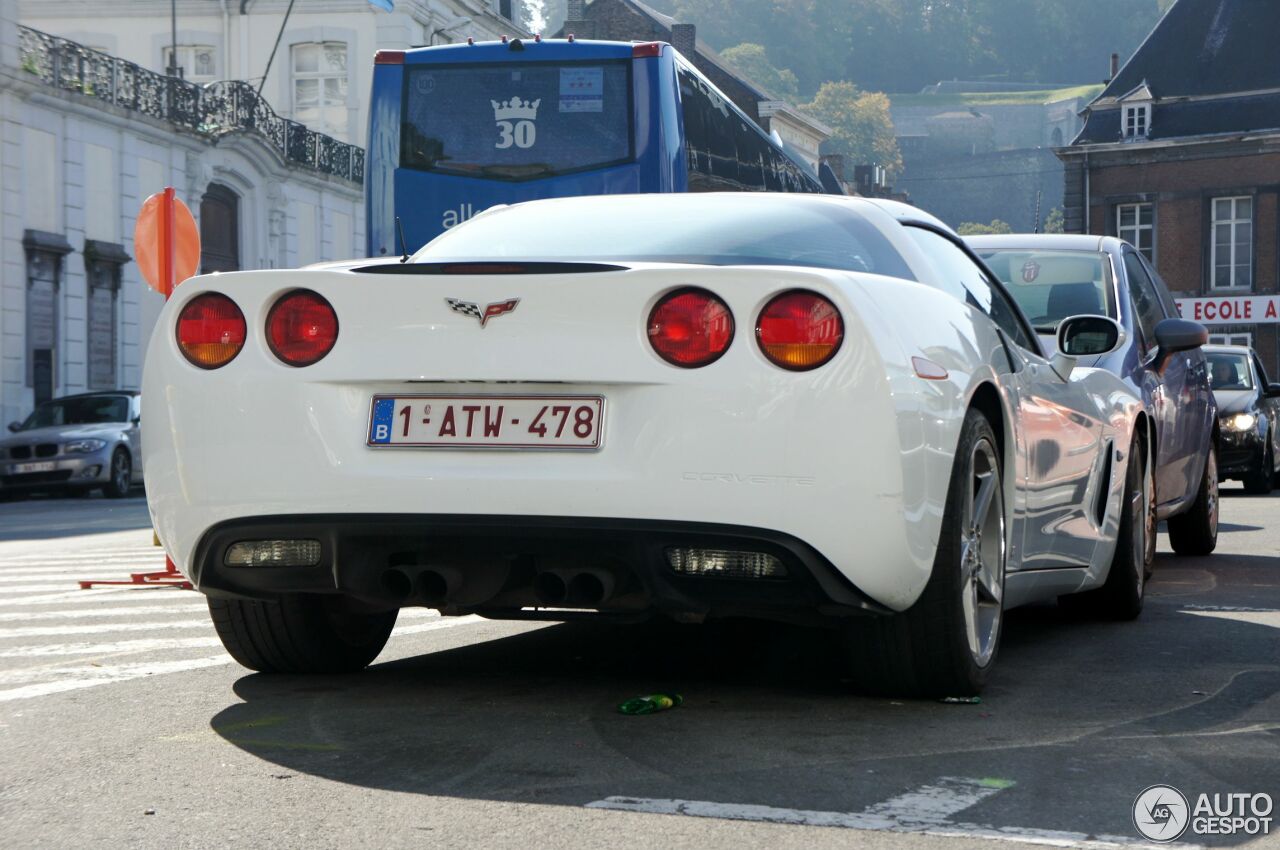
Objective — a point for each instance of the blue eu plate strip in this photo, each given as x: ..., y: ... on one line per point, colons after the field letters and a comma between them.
x: 384, y: 410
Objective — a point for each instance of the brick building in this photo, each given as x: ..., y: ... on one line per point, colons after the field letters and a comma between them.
x: 630, y: 20
x: 1180, y: 154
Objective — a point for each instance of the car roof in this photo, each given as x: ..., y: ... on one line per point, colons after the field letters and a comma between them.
x: 1044, y: 242
x: 1229, y: 349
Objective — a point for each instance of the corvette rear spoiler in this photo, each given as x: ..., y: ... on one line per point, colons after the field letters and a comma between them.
x: 488, y: 267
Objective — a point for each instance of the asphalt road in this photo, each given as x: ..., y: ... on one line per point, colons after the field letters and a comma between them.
x: 122, y: 723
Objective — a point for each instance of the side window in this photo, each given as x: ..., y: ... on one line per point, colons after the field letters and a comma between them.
x: 1162, y: 289
x: 965, y: 280
x: 1146, y: 301
x: 1263, y: 380
x: 711, y: 148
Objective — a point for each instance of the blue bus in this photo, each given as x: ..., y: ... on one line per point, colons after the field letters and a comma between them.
x: 459, y: 128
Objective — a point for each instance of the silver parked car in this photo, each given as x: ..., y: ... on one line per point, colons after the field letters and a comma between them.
x: 78, y: 443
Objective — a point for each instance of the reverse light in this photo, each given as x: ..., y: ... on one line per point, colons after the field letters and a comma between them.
x: 210, y: 330
x: 725, y: 563
x: 81, y: 447
x: 690, y: 328
x: 799, y: 330
x: 301, y: 327
x: 1241, y: 422
x: 273, y: 553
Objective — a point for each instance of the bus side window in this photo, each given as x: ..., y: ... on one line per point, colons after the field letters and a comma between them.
x: 706, y: 117
x: 695, y: 132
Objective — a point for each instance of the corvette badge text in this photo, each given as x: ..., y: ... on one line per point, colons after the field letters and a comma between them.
x: 1163, y: 813
x: 735, y: 478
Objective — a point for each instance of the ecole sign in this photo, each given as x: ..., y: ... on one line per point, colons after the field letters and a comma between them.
x: 1242, y: 309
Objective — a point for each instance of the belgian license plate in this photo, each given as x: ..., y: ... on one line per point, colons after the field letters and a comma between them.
x: 492, y: 421
x: 42, y: 466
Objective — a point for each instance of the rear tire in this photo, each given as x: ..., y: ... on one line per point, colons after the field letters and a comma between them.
x: 1121, y: 596
x: 1260, y: 481
x: 1196, y: 531
x: 300, y: 633
x: 945, y: 644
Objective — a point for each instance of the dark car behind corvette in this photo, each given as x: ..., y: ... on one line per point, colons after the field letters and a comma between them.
x: 1053, y: 276
x: 1248, y: 417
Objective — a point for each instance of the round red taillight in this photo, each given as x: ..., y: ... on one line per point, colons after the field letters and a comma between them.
x: 301, y: 327
x: 799, y: 330
x: 210, y: 330
x: 690, y: 328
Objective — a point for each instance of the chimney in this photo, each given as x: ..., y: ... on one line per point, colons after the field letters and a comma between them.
x: 575, y: 20
x: 684, y: 37
x: 1115, y: 66
x: 835, y: 161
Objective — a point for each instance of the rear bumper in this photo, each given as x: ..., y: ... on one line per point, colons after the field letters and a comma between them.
x: 491, y: 565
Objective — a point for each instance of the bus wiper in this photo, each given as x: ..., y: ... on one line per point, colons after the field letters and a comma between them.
x: 533, y: 169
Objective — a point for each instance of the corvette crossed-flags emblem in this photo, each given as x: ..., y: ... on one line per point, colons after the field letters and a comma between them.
x: 467, y: 308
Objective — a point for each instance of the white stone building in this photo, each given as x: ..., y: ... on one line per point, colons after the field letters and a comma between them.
x: 323, y: 67
x: 86, y: 135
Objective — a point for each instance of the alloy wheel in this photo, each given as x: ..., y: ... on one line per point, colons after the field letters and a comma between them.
x: 982, y: 553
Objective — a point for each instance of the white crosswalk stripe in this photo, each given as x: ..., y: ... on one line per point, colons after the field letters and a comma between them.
x: 56, y: 638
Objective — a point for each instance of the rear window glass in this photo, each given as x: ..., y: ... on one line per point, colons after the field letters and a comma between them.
x: 1049, y: 286
x: 745, y: 229
x: 514, y: 121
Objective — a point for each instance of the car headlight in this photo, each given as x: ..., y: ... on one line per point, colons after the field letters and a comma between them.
x: 1240, y: 421
x: 83, y: 446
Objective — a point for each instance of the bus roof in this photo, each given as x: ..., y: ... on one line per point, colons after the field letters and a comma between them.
x: 529, y: 50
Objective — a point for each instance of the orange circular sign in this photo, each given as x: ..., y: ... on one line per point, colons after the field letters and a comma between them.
x: 148, y: 242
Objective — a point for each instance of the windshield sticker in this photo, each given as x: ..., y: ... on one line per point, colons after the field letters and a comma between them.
x: 1030, y: 271
x: 426, y: 84
x: 582, y: 89
x: 515, y: 119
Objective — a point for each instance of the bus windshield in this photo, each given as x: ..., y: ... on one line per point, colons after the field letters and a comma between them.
x: 515, y: 121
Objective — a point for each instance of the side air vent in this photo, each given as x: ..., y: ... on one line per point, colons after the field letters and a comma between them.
x: 1104, y: 487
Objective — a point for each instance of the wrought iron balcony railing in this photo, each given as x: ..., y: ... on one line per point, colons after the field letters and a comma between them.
x: 212, y: 110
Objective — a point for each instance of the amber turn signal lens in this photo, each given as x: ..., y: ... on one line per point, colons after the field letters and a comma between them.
x: 799, y: 330
x: 211, y: 330
x: 690, y: 328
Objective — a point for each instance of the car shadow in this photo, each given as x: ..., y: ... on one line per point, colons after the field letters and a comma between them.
x: 769, y: 719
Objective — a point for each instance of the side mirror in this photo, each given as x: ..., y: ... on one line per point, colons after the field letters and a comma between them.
x: 1084, y: 336
x: 1272, y: 391
x: 137, y: 420
x: 1180, y: 335
x: 15, y: 425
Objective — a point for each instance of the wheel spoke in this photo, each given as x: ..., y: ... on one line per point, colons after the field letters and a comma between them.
x: 969, y: 602
x: 982, y: 501
x: 988, y: 582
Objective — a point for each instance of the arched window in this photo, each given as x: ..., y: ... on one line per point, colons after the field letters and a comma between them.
x: 219, y: 230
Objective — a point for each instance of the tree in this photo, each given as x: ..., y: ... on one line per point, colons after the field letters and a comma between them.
x: 973, y: 228
x: 1055, y: 222
x: 535, y: 15
x: 863, y: 128
x: 752, y: 61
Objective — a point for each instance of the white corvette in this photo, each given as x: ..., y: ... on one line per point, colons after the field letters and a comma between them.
x: 814, y: 409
